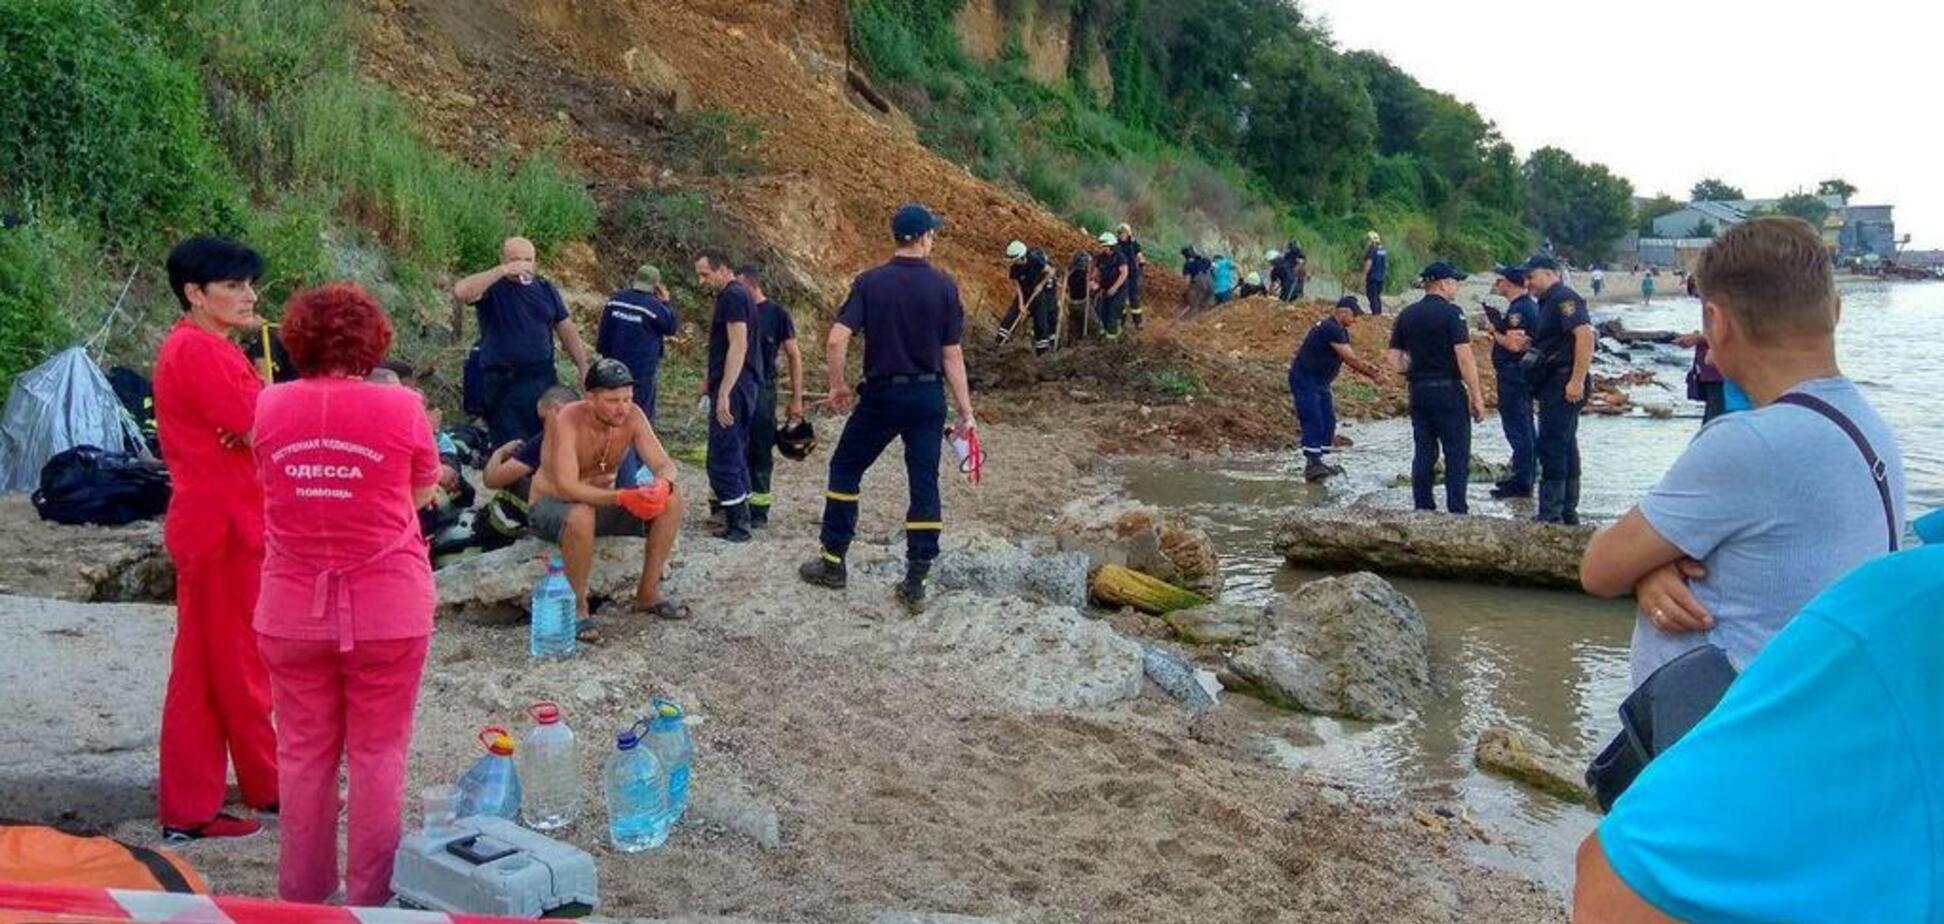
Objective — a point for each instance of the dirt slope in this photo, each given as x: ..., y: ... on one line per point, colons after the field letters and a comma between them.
x: 603, y: 78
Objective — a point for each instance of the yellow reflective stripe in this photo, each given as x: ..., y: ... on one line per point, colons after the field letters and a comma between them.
x: 760, y: 500
x: 924, y: 526
x: 833, y: 559
x: 836, y: 496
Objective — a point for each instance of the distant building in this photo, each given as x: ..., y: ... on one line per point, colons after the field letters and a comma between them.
x: 1714, y: 217
x: 1849, y: 231
x: 1672, y: 252
x: 1867, y: 229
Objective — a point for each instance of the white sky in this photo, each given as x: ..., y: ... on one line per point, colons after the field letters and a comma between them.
x: 1767, y: 96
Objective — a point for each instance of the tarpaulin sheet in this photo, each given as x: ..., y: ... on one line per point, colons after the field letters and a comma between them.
x: 59, y: 404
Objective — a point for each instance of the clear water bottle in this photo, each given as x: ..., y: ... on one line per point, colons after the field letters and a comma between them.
x: 637, y: 794
x: 549, y: 771
x: 668, y: 737
x: 491, y: 786
x: 554, y: 616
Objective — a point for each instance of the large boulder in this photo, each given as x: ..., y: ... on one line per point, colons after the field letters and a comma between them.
x: 494, y: 588
x: 1533, y: 761
x: 1350, y: 646
x: 985, y: 564
x: 1220, y: 624
x: 84, y: 564
x: 1141, y: 537
x: 1472, y: 548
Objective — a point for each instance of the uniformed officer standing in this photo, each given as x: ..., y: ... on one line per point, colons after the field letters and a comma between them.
x: 775, y: 334
x: 1376, y: 268
x: 912, y: 322
x: 1563, y: 339
x: 1431, y: 346
x: 1511, y: 339
x: 1130, y: 250
x: 1036, y: 295
x: 730, y: 389
x: 1324, y: 352
x: 1111, y: 276
x: 633, y: 324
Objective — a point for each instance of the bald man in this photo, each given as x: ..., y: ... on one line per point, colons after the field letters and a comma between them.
x: 520, y: 315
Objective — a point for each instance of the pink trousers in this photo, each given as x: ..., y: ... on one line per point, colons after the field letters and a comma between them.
x: 330, y: 705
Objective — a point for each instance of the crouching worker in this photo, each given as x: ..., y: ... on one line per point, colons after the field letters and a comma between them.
x: 346, y: 611
x: 1324, y: 352
x: 575, y: 498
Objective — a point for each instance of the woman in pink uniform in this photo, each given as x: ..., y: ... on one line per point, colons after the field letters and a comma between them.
x: 345, y: 613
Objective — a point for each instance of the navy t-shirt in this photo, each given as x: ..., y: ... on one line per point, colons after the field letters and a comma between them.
x: 908, y: 312
x: 1108, y: 265
x: 516, y: 322
x: 1522, y: 314
x: 1561, y: 311
x: 732, y: 306
x: 1379, y: 263
x: 1130, y: 250
x: 633, y: 324
x: 1027, y: 275
x: 774, y: 327
x: 1317, y: 358
x: 1427, y: 330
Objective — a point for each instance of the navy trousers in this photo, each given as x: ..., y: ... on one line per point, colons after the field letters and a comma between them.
x: 1315, y: 413
x: 647, y: 387
x: 513, y: 398
x: 1559, y: 454
x: 1440, y: 418
x: 1374, y: 293
x: 762, y: 448
x: 728, y: 460
x: 1516, y: 409
x: 912, y: 412
x: 1112, y: 307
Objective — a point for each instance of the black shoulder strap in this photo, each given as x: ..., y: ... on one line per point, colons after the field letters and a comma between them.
x: 165, y: 873
x: 1878, y: 471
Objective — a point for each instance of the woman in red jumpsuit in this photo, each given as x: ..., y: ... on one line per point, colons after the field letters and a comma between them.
x: 217, y: 709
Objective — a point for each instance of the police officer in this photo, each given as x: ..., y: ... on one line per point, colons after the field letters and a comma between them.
x: 1298, y: 263
x: 1376, y: 268
x: 1036, y: 295
x: 1563, y: 340
x: 634, y: 322
x: 1511, y: 338
x: 1324, y: 353
x: 1130, y: 250
x: 912, y: 322
x: 775, y: 335
x: 1111, y: 277
x: 734, y: 376
x: 1431, y: 346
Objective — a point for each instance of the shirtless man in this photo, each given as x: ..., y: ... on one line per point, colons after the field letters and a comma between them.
x: 574, y: 497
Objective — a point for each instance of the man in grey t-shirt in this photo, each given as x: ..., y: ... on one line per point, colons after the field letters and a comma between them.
x: 1768, y: 507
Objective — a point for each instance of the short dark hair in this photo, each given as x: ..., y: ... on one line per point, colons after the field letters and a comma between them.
x: 336, y: 328
x: 754, y: 272
x: 203, y: 260
x: 1774, y: 276
x: 559, y: 394
x: 716, y: 256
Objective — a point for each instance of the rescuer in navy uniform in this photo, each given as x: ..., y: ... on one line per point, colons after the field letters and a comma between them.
x: 912, y: 321
x: 1511, y: 339
x: 1324, y: 352
x: 1431, y: 346
x: 634, y: 322
x: 1563, y: 338
x: 734, y: 376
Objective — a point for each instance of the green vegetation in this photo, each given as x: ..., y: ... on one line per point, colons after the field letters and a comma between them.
x: 1809, y: 208
x: 1582, y: 208
x: 126, y: 125
x: 1657, y: 207
x: 1713, y: 190
x: 1232, y: 125
x: 1838, y: 187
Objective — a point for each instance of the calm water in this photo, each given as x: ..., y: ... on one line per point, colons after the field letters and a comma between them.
x: 1553, y: 663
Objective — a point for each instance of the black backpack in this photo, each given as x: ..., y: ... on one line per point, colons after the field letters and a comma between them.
x: 90, y: 485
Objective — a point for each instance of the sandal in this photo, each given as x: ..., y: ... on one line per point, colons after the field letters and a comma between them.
x: 667, y: 609
x: 589, y: 632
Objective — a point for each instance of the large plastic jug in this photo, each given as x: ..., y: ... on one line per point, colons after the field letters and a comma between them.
x: 491, y: 785
x: 554, y: 615
x: 637, y: 794
x: 668, y: 737
x: 549, y: 771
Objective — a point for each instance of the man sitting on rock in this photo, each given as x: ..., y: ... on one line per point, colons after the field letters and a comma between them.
x: 576, y: 499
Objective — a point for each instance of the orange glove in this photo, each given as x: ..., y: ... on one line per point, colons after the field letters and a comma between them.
x: 646, y: 503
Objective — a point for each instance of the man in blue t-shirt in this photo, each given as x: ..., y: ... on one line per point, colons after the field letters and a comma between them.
x: 634, y: 323
x: 913, y: 323
x: 1813, y: 792
x: 775, y: 335
x: 1766, y: 507
x: 1324, y: 352
x: 1376, y: 268
x: 730, y: 389
x: 520, y: 315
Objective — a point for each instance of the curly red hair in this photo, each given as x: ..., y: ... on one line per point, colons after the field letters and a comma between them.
x: 335, y: 329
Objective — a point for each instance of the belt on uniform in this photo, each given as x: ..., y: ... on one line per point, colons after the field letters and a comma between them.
x: 904, y: 379
x: 1434, y: 383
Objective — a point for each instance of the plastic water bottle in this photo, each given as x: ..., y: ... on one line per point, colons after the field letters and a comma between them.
x: 554, y: 615
x: 637, y: 794
x: 491, y: 786
x: 549, y: 771
x: 668, y: 737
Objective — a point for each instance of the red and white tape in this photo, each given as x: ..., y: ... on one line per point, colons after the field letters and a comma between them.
x: 46, y: 904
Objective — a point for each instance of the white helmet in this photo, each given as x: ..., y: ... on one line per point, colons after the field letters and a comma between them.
x: 1016, y: 250
x: 1255, y: 279
x: 1272, y: 256
x: 1108, y: 238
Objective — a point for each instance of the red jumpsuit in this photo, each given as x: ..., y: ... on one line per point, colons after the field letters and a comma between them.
x: 217, y: 709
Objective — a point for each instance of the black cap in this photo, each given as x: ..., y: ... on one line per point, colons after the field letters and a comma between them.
x: 1439, y: 270
x: 1540, y: 261
x: 912, y: 221
x: 1350, y: 302
x: 1513, y: 274
x: 607, y: 373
